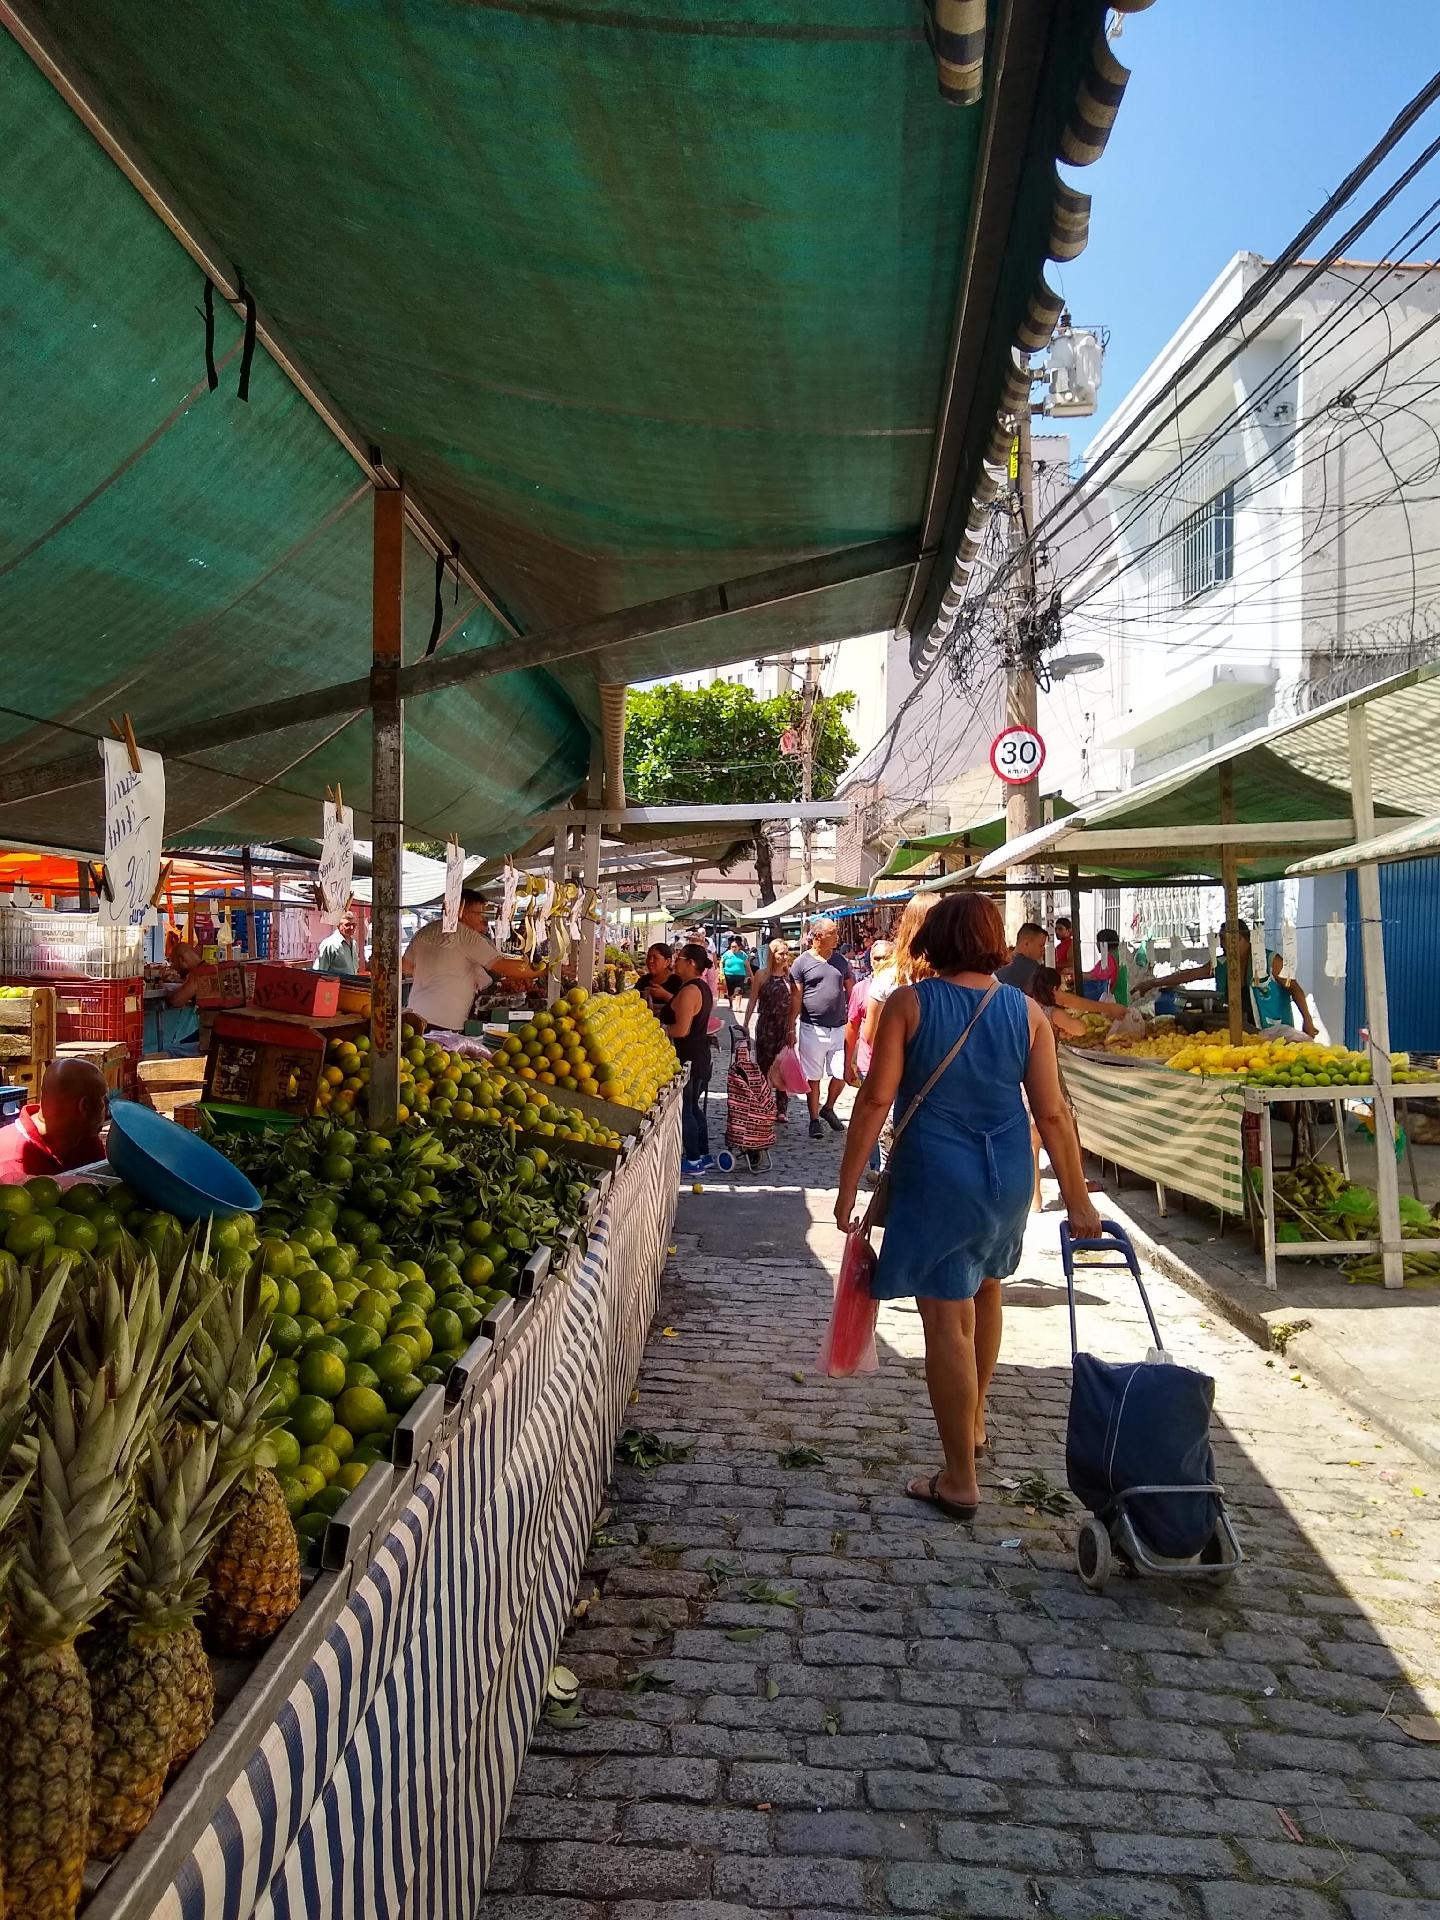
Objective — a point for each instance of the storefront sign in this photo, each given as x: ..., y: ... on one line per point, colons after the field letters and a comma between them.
x: 337, y: 861
x: 454, y: 883
x: 134, y: 829
x: 1017, y: 755
x: 637, y: 894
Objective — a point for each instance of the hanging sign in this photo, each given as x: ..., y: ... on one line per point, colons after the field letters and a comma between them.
x: 454, y: 884
x: 637, y: 893
x: 337, y: 858
x: 507, y: 900
x: 1017, y: 755
x: 134, y: 828
x: 1335, y: 948
x: 1289, y: 949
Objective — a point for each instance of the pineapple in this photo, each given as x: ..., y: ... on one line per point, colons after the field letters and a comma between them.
x: 141, y: 1661
x: 254, y: 1566
x: 90, y: 1428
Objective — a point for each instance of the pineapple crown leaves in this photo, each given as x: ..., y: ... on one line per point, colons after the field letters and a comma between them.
x: 225, y: 1381
x: 182, y: 1507
x: 30, y: 1296
x: 91, y: 1427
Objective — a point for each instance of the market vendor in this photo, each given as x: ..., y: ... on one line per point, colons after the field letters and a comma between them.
x: 1028, y: 960
x: 61, y: 1132
x: 447, y: 970
x: 340, y: 949
x: 181, y: 1025
x: 1264, y: 1007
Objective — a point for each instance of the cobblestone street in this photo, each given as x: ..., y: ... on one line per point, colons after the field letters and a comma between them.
x: 805, y: 1694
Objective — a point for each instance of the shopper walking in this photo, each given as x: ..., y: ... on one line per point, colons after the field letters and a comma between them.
x: 735, y: 969
x: 767, y: 1015
x: 690, y: 1033
x: 956, y: 1050
x: 819, y: 1007
x: 901, y: 969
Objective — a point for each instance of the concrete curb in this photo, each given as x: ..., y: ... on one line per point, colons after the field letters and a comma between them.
x: 1306, y: 1349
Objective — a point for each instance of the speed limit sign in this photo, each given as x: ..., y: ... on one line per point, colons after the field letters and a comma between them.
x: 1017, y: 755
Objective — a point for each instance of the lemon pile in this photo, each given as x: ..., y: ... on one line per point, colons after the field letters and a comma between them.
x: 605, y: 1044
x: 1281, y: 1063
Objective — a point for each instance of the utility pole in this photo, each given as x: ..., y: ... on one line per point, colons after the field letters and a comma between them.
x: 1022, y: 707
x: 809, y: 694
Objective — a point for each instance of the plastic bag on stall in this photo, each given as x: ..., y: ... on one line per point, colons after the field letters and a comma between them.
x: 787, y: 1073
x: 849, y: 1343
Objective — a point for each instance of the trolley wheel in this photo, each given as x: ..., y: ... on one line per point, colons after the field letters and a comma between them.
x: 1092, y: 1555
x: 1212, y: 1562
x: 725, y: 1161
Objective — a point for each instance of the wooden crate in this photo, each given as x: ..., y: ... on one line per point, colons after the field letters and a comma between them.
x: 108, y: 1055
x: 27, y: 1037
x: 168, y: 1085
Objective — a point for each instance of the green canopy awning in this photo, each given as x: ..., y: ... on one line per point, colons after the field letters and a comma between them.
x: 982, y: 837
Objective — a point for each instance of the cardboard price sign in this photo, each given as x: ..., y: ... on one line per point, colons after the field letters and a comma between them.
x: 337, y: 861
x: 134, y: 828
x: 454, y: 884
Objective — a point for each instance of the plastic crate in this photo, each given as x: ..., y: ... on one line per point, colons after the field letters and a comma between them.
x: 104, y: 1010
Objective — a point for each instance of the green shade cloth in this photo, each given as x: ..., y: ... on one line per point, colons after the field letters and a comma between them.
x: 1165, y: 1126
x: 983, y: 837
x: 1410, y: 842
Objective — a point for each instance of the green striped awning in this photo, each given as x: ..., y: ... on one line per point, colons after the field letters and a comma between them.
x: 1166, y: 1126
x: 1410, y: 842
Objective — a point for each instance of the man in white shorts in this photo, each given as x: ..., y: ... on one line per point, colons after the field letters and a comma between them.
x: 820, y: 983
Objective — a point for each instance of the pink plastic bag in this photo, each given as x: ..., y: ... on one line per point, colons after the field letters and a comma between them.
x: 849, y: 1343
x: 787, y: 1073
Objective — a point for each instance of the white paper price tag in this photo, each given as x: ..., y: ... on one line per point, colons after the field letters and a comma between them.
x: 134, y: 829
x: 1335, y: 948
x: 454, y: 883
x: 337, y: 862
x: 1289, y: 949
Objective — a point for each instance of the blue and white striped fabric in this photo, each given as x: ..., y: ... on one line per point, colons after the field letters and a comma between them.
x: 380, y: 1790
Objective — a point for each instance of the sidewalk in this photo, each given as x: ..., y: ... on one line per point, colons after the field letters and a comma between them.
x: 1378, y: 1350
x: 805, y: 1695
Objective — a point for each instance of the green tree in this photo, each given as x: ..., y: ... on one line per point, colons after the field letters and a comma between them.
x: 720, y: 745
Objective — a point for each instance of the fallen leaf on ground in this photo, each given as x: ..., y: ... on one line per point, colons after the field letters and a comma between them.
x: 668, y: 1333
x: 1419, y: 1726
x: 1290, y: 1827
x: 772, y: 1689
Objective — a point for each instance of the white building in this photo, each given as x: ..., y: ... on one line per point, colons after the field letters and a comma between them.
x: 1275, y: 544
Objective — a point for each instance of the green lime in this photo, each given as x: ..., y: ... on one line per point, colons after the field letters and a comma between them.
x: 295, y: 1492
x: 358, y: 1338
x: 340, y: 1440
x: 322, y: 1374
x: 471, y: 1320
x: 417, y: 1293
x: 338, y: 1262
x: 45, y: 1193
x: 442, y: 1272
x: 323, y: 1458
x: 338, y: 1169
x: 289, y: 1295
x: 311, y: 1418
x: 28, y: 1233
x: 368, y: 1317
x: 366, y: 1455
x: 479, y: 1270
x: 409, y: 1269
x: 312, y: 1524
x: 311, y: 1479
x: 361, y: 1410
x: 286, y: 1449
x: 74, y: 1230
x: 372, y: 1300
x: 433, y: 1374
x: 478, y: 1231
x: 391, y: 1359
x: 15, y: 1201
x: 312, y: 1239
x: 456, y: 1297
x: 418, y: 1340
x: 401, y: 1394
x: 285, y: 1334
x: 86, y: 1199
x: 317, y: 1296
x: 368, y: 1233
x: 351, y: 1474
x: 278, y: 1257
x: 357, y: 1374
x: 444, y: 1328
x: 329, y: 1501
x: 347, y: 1292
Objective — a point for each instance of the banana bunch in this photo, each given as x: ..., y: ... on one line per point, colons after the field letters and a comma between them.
x: 1421, y: 1270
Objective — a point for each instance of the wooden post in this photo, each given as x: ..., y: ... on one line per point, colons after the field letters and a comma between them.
x: 387, y: 803
x: 247, y: 868
x: 590, y: 862
x: 559, y: 856
x: 1377, y: 1003
x: 1230, y: 879
x: 82, y: 876
x: 1076, y: 959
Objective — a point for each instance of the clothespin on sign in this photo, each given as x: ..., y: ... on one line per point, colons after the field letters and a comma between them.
x: 335, y: 800
x: 162, y: 883
x: 124, y: 731
x: 100, y: 880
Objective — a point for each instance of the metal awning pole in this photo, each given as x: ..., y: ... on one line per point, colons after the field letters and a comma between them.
x: 247, y: 868
x: 590, y: 868
x: 559, y: 854
x: 1230, y: 880
x: 1377, y: 1004
x: 387, y: 804
x: 1077, y: 959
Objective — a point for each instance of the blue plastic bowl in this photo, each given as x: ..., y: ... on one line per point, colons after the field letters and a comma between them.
x: 173, y: 1169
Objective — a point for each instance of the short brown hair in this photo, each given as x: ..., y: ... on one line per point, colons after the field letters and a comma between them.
x: 964, y: 934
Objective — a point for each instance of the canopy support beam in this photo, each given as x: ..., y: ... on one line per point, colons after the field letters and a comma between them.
x: 674, y: 614
x: 1230, y: 880
x: 387, y: 805
x: 1377, y: 1004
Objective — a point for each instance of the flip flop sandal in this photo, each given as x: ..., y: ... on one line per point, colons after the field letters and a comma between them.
x: 950, y: 1508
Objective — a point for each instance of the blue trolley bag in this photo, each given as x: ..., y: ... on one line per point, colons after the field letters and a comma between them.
x: 1144, y: 1425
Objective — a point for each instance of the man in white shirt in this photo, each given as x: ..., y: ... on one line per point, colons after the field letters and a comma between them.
x: 447, y: 970
x: 340, y: 950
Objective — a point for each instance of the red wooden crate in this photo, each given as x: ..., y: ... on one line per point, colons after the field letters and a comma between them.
x: 111, y: 1010
x: 294, y: 990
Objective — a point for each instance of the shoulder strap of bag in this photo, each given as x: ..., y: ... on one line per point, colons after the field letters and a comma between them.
x: 945, y: 1064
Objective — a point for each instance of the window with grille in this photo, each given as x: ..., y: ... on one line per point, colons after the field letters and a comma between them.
x: 1206, y: 543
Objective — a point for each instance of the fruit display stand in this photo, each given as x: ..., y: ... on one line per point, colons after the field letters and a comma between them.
x: 1171, y: 1128
x: 367, y: 1762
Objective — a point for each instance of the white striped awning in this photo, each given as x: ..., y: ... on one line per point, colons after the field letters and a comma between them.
x: 1409, y: 842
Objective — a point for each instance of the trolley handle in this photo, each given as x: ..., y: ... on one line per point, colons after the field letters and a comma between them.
x: 1114, y: 1240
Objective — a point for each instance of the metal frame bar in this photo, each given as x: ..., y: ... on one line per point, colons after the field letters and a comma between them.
x: 387, y: 807
x: 1377, y: 1004
x: 34, y: 38
x: 793, y: 581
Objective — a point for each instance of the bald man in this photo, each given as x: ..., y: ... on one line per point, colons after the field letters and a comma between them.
x: 63, y: 1131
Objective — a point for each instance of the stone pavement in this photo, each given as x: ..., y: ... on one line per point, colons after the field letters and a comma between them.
x: 806, y: 1695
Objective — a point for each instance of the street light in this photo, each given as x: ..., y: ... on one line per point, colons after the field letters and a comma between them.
x: 1066, y: 665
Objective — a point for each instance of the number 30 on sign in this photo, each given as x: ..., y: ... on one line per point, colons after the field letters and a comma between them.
x: 1017, y: 755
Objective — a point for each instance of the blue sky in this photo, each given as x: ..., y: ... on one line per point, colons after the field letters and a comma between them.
x: 1241, y: 116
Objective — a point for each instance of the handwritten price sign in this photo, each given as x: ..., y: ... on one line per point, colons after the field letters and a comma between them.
x: 454, y: 885
x: 134, y: 829
x: 337, y: 862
